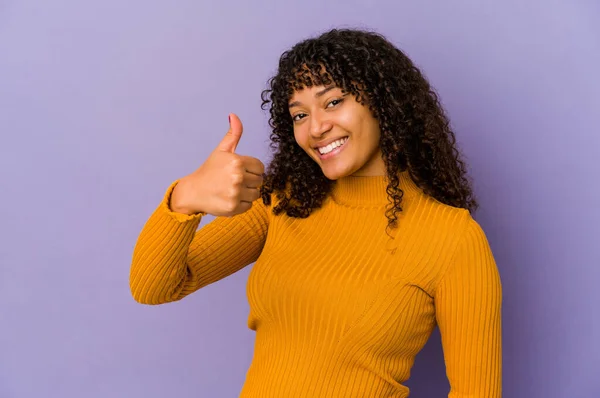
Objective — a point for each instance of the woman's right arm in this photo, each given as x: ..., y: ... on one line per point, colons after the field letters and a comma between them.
x: 172, y: 259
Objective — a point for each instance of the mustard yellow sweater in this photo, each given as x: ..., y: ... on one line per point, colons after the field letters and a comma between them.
x: 339, y: 308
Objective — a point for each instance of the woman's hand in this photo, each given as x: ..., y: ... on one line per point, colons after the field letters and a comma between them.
x: 225, y: 185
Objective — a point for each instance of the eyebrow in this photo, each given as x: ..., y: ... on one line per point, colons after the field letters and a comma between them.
x: 317, y: 95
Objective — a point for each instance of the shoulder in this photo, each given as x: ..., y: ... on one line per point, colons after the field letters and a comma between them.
x: 442, y: 220
x: 471, y: 260
x: 472, y: 237
x: 464, y: 233
x: 459, y: 233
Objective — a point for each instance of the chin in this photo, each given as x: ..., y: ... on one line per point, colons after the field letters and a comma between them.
x: 335, y: 174
x: 332, y: 177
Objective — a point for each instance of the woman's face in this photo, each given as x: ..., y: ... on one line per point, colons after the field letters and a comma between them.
x: 323, y: 116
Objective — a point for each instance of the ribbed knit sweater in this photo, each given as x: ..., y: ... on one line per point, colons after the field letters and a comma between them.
x: 339, y: 308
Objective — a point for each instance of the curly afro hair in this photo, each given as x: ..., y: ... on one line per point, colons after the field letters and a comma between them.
x: 415, y: 132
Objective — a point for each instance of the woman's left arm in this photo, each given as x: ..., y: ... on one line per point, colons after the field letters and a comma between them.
x: 468, y: 302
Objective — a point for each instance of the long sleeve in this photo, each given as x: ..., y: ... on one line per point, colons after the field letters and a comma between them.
x: 468, y: 304
x: 173, y: 258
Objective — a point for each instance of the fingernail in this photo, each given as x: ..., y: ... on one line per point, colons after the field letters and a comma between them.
x: 229, y: 117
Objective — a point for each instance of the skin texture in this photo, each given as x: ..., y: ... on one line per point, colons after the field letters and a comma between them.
x: 320, y: 114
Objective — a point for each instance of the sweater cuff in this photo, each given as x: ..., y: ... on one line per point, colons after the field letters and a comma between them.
x: 165, y: 206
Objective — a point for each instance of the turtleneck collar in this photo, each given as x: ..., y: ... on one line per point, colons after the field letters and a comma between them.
x: 370, y: 191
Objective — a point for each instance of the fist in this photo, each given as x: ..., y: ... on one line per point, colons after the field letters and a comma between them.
x: 226, y: 184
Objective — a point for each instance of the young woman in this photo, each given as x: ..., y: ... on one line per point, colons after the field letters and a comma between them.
x: 360, y: 230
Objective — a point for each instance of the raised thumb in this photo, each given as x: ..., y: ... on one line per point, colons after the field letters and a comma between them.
x: 232, y: 138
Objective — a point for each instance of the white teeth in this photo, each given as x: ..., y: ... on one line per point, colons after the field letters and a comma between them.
x: 326, y: 149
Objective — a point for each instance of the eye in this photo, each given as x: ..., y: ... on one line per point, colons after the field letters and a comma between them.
x: 335, y: 102
x: 296, y: 118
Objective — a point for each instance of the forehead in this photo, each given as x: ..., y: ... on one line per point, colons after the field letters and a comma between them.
x: 312, y: 94
x: 314, y: 91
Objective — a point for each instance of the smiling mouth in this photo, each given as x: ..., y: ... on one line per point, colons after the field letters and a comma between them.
x: 324, y: 150
x: 331, y: 151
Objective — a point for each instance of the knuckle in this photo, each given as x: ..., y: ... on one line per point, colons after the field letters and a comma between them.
x: 233, y: 192
x: 237, y: 178
x: 230, y: 206
x: 236, y: 163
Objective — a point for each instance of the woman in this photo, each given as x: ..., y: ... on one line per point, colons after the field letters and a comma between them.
x: 360, y: 229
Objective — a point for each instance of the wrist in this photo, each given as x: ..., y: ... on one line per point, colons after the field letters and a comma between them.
x: 176, y: 203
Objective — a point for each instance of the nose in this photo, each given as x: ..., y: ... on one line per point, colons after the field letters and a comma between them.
x: 319, y: 124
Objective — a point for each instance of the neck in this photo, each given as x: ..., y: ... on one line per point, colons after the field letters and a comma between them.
x: 370, y: 191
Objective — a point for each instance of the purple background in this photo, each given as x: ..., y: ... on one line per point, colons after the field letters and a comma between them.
x: 104, y: 103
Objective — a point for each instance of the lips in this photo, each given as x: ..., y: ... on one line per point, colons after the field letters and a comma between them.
x: 334, y: 152
x: 325, y: 143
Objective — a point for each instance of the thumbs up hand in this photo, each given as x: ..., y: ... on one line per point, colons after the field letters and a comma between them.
x: 226, y: 184
x: 232, y: 138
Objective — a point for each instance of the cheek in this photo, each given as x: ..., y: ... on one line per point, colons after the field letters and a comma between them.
x: 301, y: 138
x: 354, y: 119
x: 372, y: 128
x: 375, y: 134
x: 347, y: 120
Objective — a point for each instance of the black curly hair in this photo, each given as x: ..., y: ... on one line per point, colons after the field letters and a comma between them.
x: 415, y: 132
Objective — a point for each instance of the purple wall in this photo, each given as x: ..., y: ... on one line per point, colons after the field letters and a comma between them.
x: 104, y: 103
